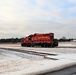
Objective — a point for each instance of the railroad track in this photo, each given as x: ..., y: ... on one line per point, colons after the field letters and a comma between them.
x: 65, y: 47
x: 45, y: 55
x: 59, y: 47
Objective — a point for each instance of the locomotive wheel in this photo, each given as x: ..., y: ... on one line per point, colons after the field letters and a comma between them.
x: 22, y: 44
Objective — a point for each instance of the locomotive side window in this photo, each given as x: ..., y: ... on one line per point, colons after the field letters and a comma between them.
x: 29, y: 38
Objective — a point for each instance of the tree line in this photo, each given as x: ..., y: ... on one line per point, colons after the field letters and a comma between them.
x: 10, y: 40
x: 16, y: 40
x: 64, y: 40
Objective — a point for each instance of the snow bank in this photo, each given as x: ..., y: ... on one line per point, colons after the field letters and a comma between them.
x: 16, y: 63
x: 39, y: 67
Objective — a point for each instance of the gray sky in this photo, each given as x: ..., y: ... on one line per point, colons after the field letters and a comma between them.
x: 19, y: 18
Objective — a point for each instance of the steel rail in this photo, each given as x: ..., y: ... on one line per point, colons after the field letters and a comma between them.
x: 65, y: 47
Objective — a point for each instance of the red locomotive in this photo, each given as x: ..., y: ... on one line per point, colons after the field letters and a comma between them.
x: 43, y: 40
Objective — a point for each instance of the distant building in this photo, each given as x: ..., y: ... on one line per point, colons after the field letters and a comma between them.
x: 74, y: 40
x: 63, y: 37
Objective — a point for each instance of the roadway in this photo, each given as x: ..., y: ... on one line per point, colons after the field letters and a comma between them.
x: 66, y: 71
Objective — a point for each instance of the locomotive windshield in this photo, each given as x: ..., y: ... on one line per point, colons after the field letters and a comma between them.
x: 51, y: 34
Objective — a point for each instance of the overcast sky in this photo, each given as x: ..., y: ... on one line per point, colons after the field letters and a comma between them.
x: 19, y: 18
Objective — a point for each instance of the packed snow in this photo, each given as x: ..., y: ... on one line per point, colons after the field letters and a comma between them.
x: 17, y: 63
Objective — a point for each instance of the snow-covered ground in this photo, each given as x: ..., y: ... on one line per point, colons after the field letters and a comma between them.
x: 17, y: 63
x: 67, y: 44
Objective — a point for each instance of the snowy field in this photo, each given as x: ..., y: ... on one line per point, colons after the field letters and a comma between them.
x: 18, y: 63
